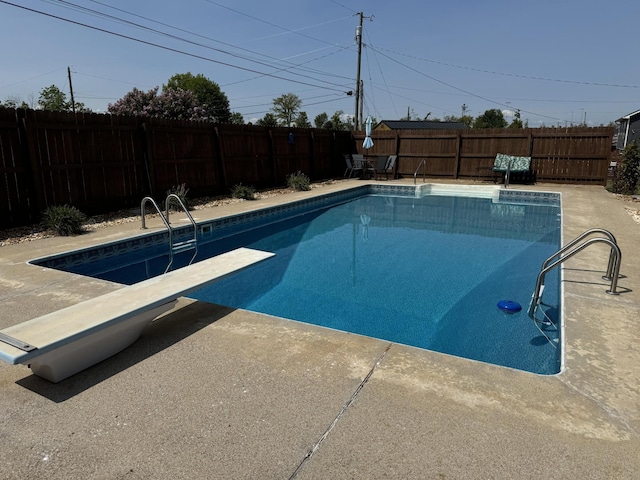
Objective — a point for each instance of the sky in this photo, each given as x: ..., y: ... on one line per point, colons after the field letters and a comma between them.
x: 559, y: 62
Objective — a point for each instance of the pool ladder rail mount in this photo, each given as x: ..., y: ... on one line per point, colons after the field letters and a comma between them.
x: 177, y: 247
x: 569, y: 250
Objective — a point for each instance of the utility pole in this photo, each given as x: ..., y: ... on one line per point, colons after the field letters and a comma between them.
x: 73, y: 103
x: 358, y: 86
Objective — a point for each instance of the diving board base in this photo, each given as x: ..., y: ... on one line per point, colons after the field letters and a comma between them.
x: 69, y: 359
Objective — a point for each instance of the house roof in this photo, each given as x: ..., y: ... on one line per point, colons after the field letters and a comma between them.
x: 628, y: 116
x: 422, y: 125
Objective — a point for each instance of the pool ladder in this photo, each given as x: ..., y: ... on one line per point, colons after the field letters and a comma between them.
x: 566, y: 252
x: 177, y: 247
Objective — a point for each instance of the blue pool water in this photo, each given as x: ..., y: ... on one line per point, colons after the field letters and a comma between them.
x: 426, y: 272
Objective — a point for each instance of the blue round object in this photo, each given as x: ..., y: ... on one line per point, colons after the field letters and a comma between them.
x: 509, y: 306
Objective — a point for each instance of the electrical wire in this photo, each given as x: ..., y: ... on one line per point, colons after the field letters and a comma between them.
x: 466, y: 91
x: 170, y: 49
x: 516, y: 75
x: 92, y: 12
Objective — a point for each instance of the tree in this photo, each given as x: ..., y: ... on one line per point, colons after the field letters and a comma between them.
x: 302, y: 121
x: 321, y: 120
x: 207, y: 93
x: 516, y: 122
x: 492, y: 118
x: 14, y: 102
x: 269, y: 120
x: 285, y: 108
x: 236, y: 118
x: 338, y: 121
x: 173, y: 103
x: 52, y: 98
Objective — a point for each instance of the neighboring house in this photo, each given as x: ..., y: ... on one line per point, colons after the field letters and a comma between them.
x: 419, y: 125
x: 627, y: 130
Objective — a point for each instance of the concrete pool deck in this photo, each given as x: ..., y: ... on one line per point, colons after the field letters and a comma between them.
x: 212, y: 392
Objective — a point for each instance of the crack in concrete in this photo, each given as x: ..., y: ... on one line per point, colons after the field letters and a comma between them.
x: 344, y: 408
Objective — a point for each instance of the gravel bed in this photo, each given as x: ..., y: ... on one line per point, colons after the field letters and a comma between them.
x: 29, y: 233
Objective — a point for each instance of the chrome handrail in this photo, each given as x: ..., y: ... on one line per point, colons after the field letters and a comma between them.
x: 580, y: 237
x: 415, y: 174
x: 615, y: 251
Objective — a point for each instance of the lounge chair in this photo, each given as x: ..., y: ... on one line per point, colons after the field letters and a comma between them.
x: 386, y: 165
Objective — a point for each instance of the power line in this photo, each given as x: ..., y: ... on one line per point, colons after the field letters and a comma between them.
x: 170, y: 49
x: 269, y: 23
x: 92, y: 12
x: 466, y: 91
x: 516, y: 75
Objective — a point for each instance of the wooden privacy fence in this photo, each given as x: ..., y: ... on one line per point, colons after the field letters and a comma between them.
x: 101, y: 163
x: 561, y: 155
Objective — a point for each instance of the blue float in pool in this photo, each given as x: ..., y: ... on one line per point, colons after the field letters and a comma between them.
x: 509, y: 306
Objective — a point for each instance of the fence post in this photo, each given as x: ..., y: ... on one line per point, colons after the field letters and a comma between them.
x: 456, y: 172
x: 148, y: 158
x: 312, y: 155
x: 221, y: 160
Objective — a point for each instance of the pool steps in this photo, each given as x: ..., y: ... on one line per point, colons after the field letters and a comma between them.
x: 62, y: 343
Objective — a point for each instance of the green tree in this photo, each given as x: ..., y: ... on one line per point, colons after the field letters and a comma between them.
x: 236, y: 118
x: 320, y: 121
x: 269, y: 120
x: 517, y: 121
x: 52, y: 98
x: 208, y: 95
x: 492, y: 118
x: 285, y: 108
x: 302, y: 121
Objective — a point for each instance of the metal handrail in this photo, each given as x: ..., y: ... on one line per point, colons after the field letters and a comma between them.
x: 167, y: 202
x: 165, y: 219
x: 580, y: 237
x: 615, y: 251
x: 142, y: 212
x: 424, y: 174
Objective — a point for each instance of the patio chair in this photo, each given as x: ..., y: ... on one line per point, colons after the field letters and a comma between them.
x: 351, y: 164
x: 386, y: 165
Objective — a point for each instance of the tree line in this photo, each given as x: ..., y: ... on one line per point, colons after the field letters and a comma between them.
x: 195, y: 97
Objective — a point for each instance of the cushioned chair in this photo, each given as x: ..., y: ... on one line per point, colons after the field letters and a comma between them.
x: 510, y: 163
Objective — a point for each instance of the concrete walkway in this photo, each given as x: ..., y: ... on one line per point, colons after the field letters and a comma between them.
x: 211, y: 392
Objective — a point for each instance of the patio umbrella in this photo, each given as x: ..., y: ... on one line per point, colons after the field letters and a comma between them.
x: 368, y: 143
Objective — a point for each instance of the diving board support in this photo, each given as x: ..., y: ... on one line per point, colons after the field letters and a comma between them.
x: 62, y: 343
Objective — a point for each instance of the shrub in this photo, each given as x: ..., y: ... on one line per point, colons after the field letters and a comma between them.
x: 181, y: 192
x: 64, y: 219
x: 299, y: 181
x: 243, y: 191
x: 627, y: 174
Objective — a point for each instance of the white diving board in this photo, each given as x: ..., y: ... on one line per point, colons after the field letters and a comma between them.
x: 63, y: 343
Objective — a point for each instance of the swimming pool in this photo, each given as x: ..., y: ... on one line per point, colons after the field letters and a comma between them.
x: 420, y: 266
